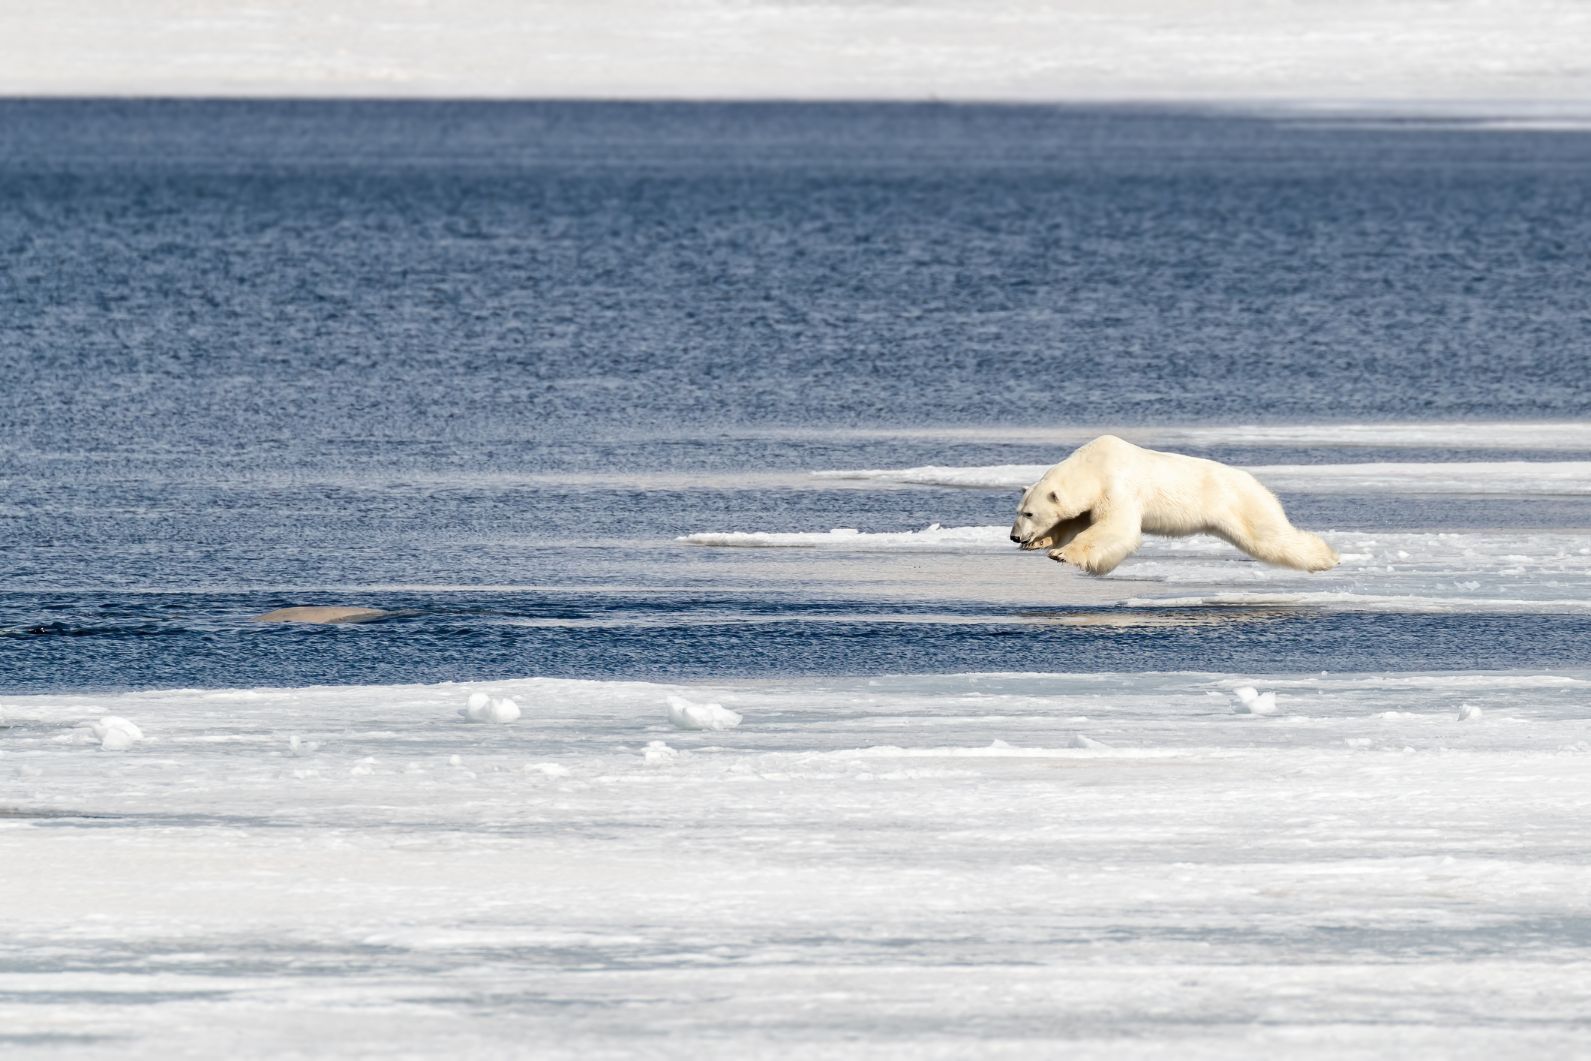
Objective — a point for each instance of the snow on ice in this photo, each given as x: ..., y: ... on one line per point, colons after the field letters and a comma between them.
x: 115, y: 734
x: 483, y: 708
x: 1250, y: 701
x: 926, y: 854
x: 687, y: 715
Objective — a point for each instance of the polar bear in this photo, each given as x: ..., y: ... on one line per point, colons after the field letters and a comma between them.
x: 1092, y: 509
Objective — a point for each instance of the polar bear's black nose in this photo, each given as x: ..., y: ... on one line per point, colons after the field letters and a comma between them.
x: 1017, y: 538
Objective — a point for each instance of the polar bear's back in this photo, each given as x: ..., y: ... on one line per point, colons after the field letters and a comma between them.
x: 1179, y: 494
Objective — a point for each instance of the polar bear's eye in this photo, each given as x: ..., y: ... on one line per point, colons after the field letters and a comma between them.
x: 1027, y: 515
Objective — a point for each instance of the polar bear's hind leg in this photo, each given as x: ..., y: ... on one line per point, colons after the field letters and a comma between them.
x: 1273, y: 540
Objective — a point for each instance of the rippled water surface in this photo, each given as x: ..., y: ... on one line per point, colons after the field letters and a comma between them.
x: 481, y: 364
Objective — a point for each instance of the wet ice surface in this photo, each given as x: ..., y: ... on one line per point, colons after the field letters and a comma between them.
x: 1106, y: 864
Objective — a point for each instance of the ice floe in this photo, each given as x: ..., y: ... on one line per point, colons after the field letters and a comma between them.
x: 299, y: 747
x: 685, y: 714
x: 1088, y: 841
x: 1412, y: 571
x: 932, y: 537
x: 114, y: 733
x: 483, y: 708
x: 1250, y: 701
x: 658, y: 752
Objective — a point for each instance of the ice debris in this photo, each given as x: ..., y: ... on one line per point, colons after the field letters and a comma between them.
x: 1080, y: 741
x: 686, y: 715
x: 1253, y: 702
x: 114, y: 733
x: 657, y: 752
x: 482, y: 708
x: 1468, y: 712
x: 298, y: 746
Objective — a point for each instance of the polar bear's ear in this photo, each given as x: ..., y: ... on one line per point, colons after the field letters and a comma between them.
x: 1055, y: 498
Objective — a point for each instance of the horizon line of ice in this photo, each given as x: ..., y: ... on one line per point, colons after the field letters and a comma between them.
x: 1569, y: 478
x: 1558, y: 435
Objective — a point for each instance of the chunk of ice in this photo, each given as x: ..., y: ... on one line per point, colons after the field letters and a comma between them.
x: 114, y: 733
x: 657, y: 752
x: 687, y: 715
x: 1257, y: 703
x: 482, y: 708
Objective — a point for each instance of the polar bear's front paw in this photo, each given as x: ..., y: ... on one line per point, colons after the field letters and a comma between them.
x: 1060, y: 557
x: 1039, y: 543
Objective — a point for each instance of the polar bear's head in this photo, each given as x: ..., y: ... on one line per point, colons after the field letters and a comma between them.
x: 1060, y: 505
x: 1050, y: 515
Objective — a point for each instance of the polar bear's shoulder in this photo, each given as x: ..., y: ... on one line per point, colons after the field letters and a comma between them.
x: 1109, y: 450
x: 1103, y: 455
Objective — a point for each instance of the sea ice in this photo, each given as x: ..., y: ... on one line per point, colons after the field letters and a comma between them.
x: 1501, y: 570
x: 918, y: 853
x: 483, y: 708
x: 687, y: 715
x: 298, y: 746
x: 114, y: 733
x: 657, y: 752
x: 1468, y: 713
x: 934, y: 536
x: 1253, y: 702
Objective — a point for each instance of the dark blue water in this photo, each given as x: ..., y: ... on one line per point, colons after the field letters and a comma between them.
x: 274, y: 353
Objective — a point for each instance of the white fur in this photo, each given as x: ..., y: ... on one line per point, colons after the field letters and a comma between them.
x: 1092, y: 509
